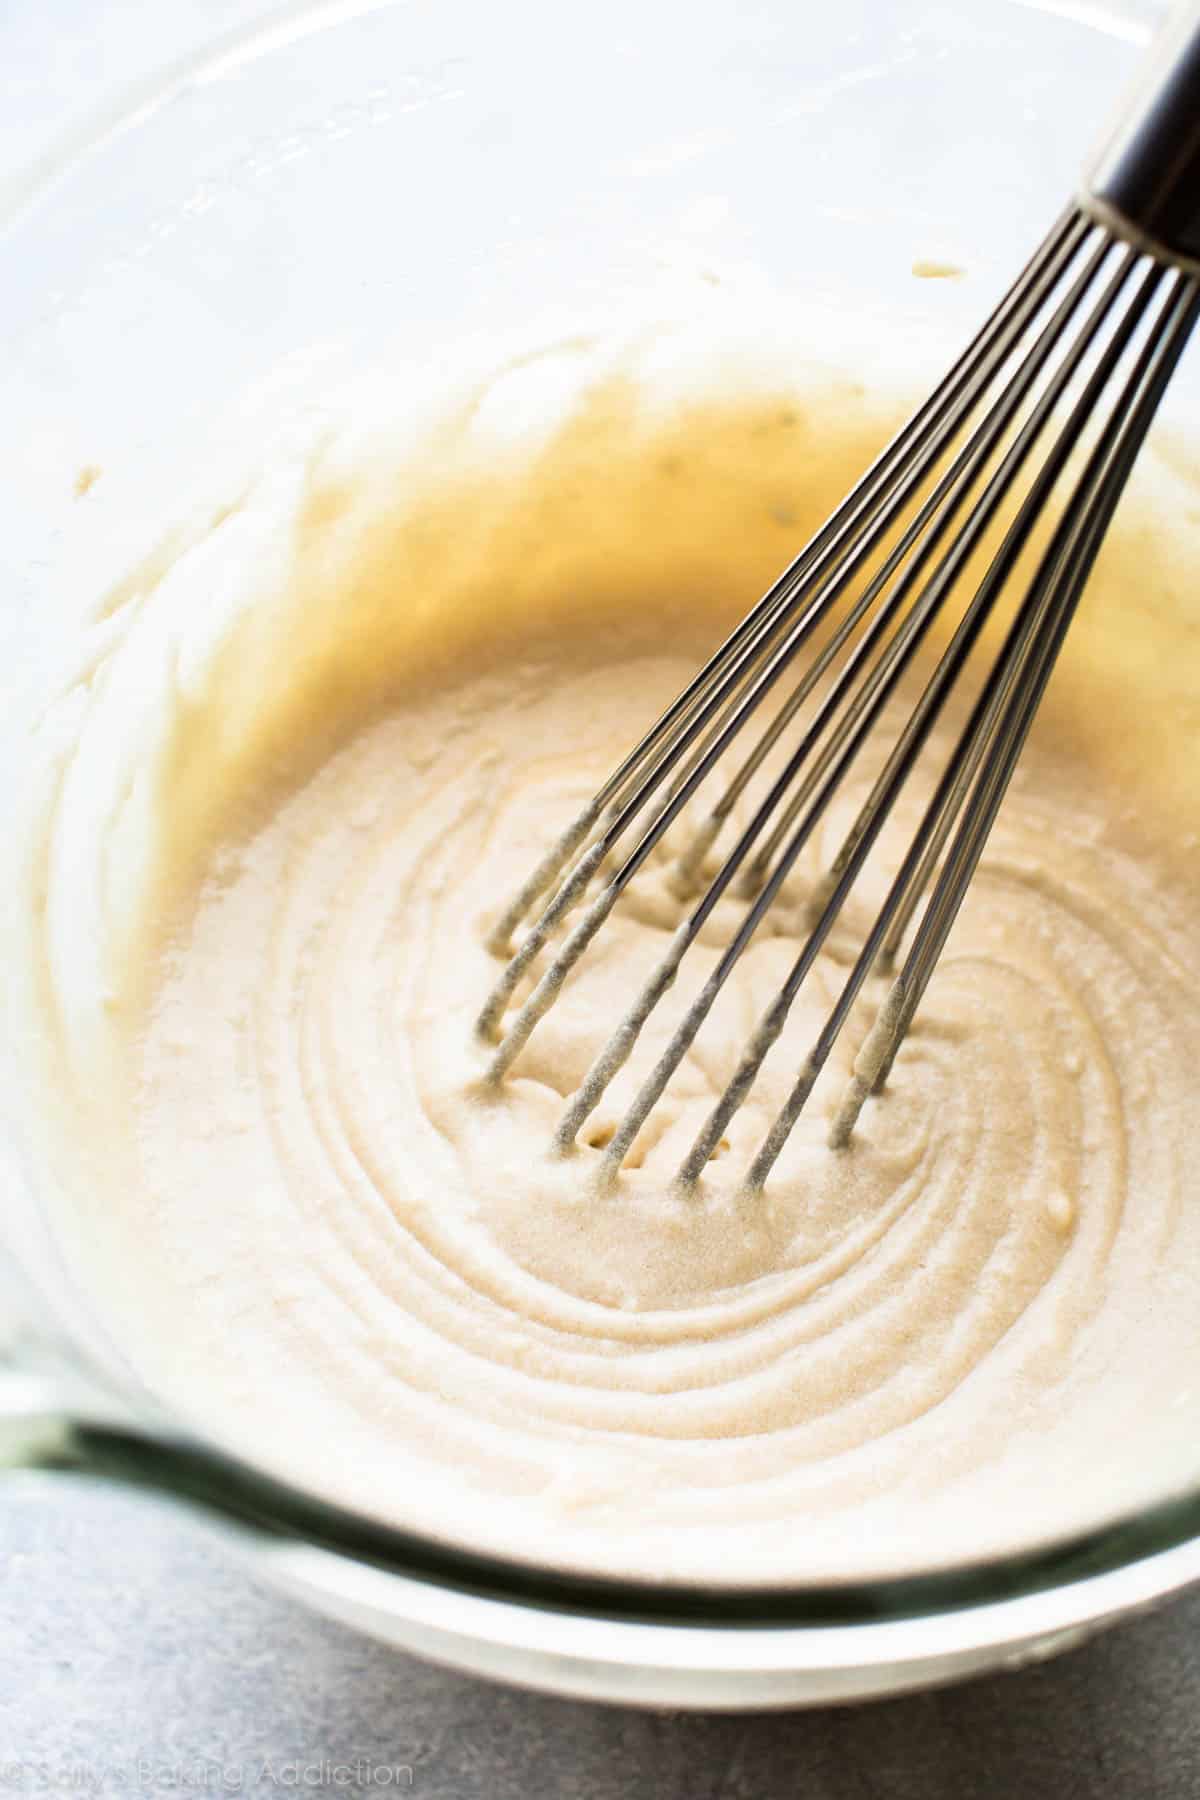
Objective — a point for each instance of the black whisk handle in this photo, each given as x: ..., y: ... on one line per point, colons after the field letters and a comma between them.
x: 1145, y: 184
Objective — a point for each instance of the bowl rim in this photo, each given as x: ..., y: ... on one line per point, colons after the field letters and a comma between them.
x: 1122, y: 1562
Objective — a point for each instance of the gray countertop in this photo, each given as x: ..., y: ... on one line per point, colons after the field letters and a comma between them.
x: 136, y: 1658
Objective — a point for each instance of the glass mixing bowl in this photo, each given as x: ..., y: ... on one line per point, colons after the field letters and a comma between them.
x: 352, y: 175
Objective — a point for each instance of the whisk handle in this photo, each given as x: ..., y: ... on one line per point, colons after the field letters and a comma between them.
x: 1145, y: 183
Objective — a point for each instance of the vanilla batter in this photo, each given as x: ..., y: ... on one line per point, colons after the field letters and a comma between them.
x: 315, y: 751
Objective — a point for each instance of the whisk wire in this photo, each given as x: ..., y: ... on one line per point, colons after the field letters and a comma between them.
x: 1060, y: 581
x: 744, y: 705
x: 1009, y: 677
x: 873, y: 816
x: 921, y: 438
x: 1050, y: 338
x: 862, y: 709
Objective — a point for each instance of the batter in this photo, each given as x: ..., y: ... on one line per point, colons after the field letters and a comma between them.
x: 318, y: 747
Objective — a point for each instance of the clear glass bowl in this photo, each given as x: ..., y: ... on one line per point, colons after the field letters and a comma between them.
x: 351, y: 176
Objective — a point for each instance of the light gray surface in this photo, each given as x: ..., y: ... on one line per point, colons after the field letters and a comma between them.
x: 129, y: 1639
x: 135, y: 1658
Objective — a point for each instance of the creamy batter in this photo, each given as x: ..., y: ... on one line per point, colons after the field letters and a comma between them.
x: 316, y: 750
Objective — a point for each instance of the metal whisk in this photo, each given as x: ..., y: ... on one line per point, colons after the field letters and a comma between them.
x: 1072, y: 364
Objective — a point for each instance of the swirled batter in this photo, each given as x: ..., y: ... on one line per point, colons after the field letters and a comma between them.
x: 341, y: 1254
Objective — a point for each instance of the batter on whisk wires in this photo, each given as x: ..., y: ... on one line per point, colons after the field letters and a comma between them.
x: 1043, y: 318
